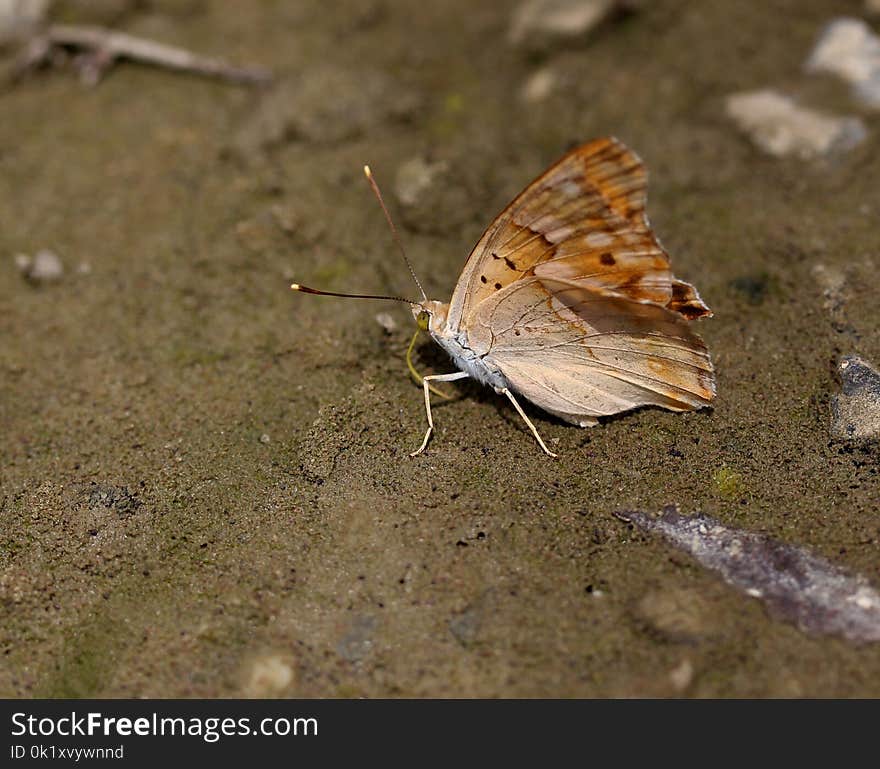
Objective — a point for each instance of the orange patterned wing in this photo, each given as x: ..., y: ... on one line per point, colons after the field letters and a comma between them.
x: 583, y: 223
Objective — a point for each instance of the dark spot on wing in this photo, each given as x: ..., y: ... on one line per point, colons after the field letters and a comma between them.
x: 685, y: 301
x: 509, y: 262
x: 483, y: 278
x: 495, y: 256
x: 607, y: 259
x: 497, y: 286
x: 689, y: 312
x: 516, y: 332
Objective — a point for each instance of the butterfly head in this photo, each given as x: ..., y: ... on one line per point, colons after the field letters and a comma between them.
x: 430, y: 315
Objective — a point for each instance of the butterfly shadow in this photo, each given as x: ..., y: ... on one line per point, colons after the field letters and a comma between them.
x: 508, y: 414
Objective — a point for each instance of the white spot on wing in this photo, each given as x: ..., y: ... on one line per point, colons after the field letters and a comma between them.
x: 598, y: 239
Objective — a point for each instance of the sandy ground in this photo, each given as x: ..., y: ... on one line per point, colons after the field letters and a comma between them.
x: 205, y: 487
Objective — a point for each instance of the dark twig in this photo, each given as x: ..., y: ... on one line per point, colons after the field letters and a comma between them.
x: 100, y: 48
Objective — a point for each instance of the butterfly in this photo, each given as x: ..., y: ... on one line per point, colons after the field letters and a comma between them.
x: 568, y: 300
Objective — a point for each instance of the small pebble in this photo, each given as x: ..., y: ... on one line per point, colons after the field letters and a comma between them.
x: 538, y: 24
x: 357, y: 642
x: 264, y: 438
x: 466, y: 626
x: 43, y: 267
x: 387, y: 322
x: 415, y: 177
x: 778, y: 126
x: 682, y: 676
x: 855, y: 412
x: 539, y: 85
x: 849, y: 49
x: 268, y: 676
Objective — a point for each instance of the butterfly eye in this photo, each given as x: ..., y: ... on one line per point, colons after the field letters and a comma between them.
x: 422, y: 320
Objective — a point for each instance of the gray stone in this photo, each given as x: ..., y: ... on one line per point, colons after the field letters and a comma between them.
x: 358, y: 639
x: 849, y: 49
x: 538, y: 23
x: 817, y: 596
x: 466, y: 626
x: 780, y: 127
x: 855, y: 412
x: 415, y: 177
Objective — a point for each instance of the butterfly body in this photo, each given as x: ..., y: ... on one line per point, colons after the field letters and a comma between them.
x: 456, y: 345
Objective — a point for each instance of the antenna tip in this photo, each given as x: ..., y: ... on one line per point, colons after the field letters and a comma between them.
x: 295, y: 286
x: 367, y: 172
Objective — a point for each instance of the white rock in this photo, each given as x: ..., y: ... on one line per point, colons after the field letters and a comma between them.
x: 539, y: 85
x: 269, y: 676
x: 44, y: 266
x: 535, y: 22
x: 780, y: 127
x: 386, y: 320
x: 849, y: 49
x: 681, y: 676
x: 414, y: 178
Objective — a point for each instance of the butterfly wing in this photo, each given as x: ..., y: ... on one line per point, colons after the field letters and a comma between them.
x: 570, y: 295
x: 581, y: 222
x: 580, y: 354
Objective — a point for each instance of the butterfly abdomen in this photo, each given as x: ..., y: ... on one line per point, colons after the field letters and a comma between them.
x: 474, y: 365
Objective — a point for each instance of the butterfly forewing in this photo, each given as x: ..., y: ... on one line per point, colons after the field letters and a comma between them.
x: 583, y: 220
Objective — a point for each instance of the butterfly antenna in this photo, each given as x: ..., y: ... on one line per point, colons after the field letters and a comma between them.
x: 372, y: 181
x: 307, y: 290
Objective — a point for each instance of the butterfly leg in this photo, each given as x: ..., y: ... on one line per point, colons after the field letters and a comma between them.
x: 527, y: 420
x: 427, y: 386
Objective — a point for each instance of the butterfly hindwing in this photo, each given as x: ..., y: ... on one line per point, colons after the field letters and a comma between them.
x: 579, y: 354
